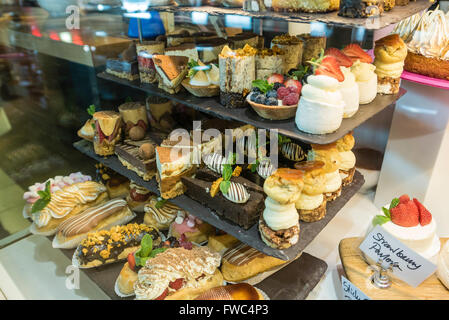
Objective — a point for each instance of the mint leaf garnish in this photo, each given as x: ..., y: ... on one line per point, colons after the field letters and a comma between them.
x: 380, y: 220
x: 224, y: 186
x: 44, y: 200
x: 160, y: 203
x: 394, y: 203
x: 263, y: 85
x: 91, y: 110
x: 386, y: 212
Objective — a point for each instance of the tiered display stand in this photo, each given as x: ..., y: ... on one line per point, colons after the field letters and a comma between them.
x: 300, y: 276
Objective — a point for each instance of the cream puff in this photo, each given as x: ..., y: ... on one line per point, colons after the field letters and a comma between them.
x: 311, y: 205
x: 284, y: 185
x: 329, y: 154
x: 347, y: 163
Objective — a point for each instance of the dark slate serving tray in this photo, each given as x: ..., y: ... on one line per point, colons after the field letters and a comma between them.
x: 293, y: 282
x: 288, y: 128
x: 251, y: 236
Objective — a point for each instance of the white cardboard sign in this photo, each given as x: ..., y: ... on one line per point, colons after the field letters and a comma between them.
x: 406, y: 264
x: 350, y: 291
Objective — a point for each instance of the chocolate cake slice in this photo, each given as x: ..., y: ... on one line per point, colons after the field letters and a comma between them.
x: 244, y: 214
x: 126, y: 66
x: 128, y: 154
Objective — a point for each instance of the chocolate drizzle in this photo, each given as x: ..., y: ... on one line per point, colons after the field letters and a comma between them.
x: 214, y: 161
x: 237, y: 193
x: 242, y: 254
x: 292, y: 151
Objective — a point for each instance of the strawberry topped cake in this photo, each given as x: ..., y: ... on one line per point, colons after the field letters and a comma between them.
x: 412, y: 224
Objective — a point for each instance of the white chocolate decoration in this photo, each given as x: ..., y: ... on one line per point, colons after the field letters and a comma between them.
x: 237, y: 193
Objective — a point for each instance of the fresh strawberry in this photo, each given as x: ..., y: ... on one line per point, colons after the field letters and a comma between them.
x: 131, y: 261
x: 293, y: 83
x: 330, y: 67
x: 405, y: 214
x: 342, y: 59
x: 163, y: 295
x: 355, y: 52
x: 404, y: 198
x: 177, y: 284
x: 275, y: 77
x: 425, y: 217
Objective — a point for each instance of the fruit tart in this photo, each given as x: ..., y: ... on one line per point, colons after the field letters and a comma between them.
x: 275, y: 98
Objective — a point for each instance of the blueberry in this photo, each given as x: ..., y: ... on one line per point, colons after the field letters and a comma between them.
x: 260, y: 99
x: 272, y: 101
x: 272, y: 94
x: 256, y: 90
x: 277, y: 85
x: 253, y: 96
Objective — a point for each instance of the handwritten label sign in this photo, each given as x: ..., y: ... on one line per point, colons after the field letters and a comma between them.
x: 351, y: 292
x: 406, y: 264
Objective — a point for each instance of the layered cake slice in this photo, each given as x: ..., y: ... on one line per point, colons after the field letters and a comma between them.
x: 171, y: 70
x: 172, y: 164
x: 138, y: 156
x: 242, y: 204
x: 126, y: 66
x: 185, y: 50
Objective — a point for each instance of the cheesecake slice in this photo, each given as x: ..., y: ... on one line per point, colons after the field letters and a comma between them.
x: 185, y: 50
x: 172, y: 164
x: 171, y: 70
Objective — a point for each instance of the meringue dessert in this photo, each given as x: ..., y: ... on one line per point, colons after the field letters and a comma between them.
x: 390, y: 53
x: 443, y: 265
x: 321, y: 106
x: 366, y: 80
x: 412, y: 224
x: 202, y: 80
x: 427, y: 44
x: 350, y: 93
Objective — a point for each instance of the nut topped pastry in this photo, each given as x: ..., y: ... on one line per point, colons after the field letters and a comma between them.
x: 237, y: 70
x: 107, y: 246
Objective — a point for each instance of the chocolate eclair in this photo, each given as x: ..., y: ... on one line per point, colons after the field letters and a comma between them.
x: 108, y: 246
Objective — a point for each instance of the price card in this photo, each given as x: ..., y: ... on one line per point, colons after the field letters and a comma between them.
x: 406, y: 264
x: 350, y: 291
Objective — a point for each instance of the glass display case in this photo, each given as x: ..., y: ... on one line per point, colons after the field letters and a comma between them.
x: 143, y: 68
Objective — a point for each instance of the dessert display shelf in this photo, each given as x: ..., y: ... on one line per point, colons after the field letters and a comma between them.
x: 358, y: 272
x: 307, y: 269
x: 397, y: 14
x: 251, y: 236
x: 247, y: 115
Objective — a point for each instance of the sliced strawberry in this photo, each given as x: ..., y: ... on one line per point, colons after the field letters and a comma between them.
x: 330, y: 67
x: 275, y: 77
x: 177, y: 284
x: 405, y: 214
x: 163, y: 295
x: 294, y: 83
x: 404, y: 198
x: 425, y: 217
x: 131, y: 261
x: 342, y: 59
x: 355, y: 52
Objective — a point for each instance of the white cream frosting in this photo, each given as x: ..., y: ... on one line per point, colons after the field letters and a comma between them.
x: 280, y: 216
x: 347, y: 160
x: 422, y: 239
x: 393, y: 70
x: 366, y: 79
x: 350, y: 93
x: 175, y: 167
x: 321, y: 105
x: 306, y: 202
x: 407, y: 26
x: 333, y: 181
x: 431, y: 35
x: 443, y: 265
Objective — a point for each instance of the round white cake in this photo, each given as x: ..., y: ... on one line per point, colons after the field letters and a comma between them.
x: 443, y: 265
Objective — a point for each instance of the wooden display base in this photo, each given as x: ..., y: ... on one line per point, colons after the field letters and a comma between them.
x: 359, y: 272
